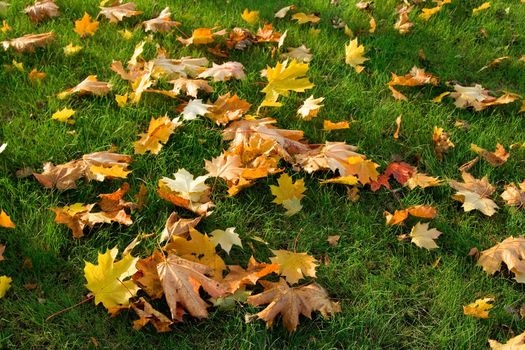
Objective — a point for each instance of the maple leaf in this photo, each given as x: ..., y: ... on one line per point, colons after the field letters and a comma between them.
x: 64, y: 116
x: 201, y: 36
x: 199, y: 249
x: 288, y: 193
x: 284, y: 11
x: 159, y: 131
x: 29, y: 42
x: 36, y: 76
x: 225, y: 238
x: 62, y: 176
x: 226, y: 166
x: 178, y: 68
x: 482, y: 7
x: 478, y: 98
x: 480, y: 308
x: 266, y: 34
x: 416, y: 77
x: 102, y: 165
x: 514, y: 343
x: 354, y: 55
x: 284, y: 78
x: 147, y: 314
x: 420, y: 211
x: 496, y: 158
x: 85, y: 27
x: 422, y: 180
x: 185, y: 191
x: 90, y: 85
x: 162, y: 23
x: 71, y: 49
x: 294, y: 266
x: 403, y: 24
x: 329, y: 125
x: 176, y: 226
x: 364, y: 169
x: 442, y: 142
x: 310, y: 107
x: 345, y: 180
x: 239, y: 277
x: 292, y: 302
x: 147, y: 277
x: 190, y: 86
x: 41, y: 10
x: 426, y: 13
x: 195, y: 108
x: 424, y: 237
x: 301, y: 54
x: 330, y: 156
x: 117, y: 12
x: 514, y: 196
x: 510, y: 251
x: 251, y: 17
x: 5, y: 220
x: 5, y: 284
x: 303, y: 18
x: 227, y: 108
x: 474, y: 193
x: 224, y: 72
x: 181, y: 280
x: 108, y: 280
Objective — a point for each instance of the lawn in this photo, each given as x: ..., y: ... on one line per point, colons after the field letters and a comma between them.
x: 392, y: 293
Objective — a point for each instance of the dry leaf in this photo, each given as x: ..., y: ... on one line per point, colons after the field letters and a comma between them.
x: 328, y: 125
x: 442, y: 142
x: 162, y: 23
x: 420, y: 211
x: 85, y: 27
x: 292, y: 302
x: 147, y: 314
x: 5, y: 220
x: 225, y: 238
x: 354, y: 55
x: 227, y: 108
x: 303, y: 18
x: 474, y: 193
x: 64, y: 116
x: 117, y: 12
x: 89, y: 86
x: 284, y: 11
x: 424, y: 237
x: 288, y: 193
x: 159, y: 131
x: 42, y: 10
x: 310, y: 107
x: 239, y: 277
x: 480, y: 308
x: 224, y: 72
x: 510, y: 251
x: 515, y: 343
x: 29, y: 42
x: 496, y: 158
x: 301, y: 54
x: 514, y: 196
x: 294, y: 266
x: 251, y: 17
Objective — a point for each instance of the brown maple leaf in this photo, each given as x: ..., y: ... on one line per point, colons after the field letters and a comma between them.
x: 496, y: 158
x: 42, y: 10
x: 239, y: 277
x: 162, y: 23
x: 90, y: 85
x: 29, y: 42
x: 147, y: 314
x: 227, y: 108
x: 117, y: 12
x: 514, y: 195
x: 292, y: 302
x: 181, y: 280
x: 147, y: 276
x: 510, y: 251
x: 474, y: 193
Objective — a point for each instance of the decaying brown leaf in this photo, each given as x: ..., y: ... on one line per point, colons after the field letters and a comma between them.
x: 162, y: 23
x: 514, y: 196
x: 117, y: 12
x: 420, y: 211
x: 510, y: 251
x: 474, y: 194
x: 29, y: 42
x: 292, y: 302
x: 442, y: 142
x: 496, y: 158
x: 89, y: 86
x: 42, y: 10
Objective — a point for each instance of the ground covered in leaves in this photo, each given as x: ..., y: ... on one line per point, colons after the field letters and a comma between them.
x: 385, y: 289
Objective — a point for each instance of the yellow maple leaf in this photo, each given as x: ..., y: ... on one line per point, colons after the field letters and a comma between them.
x: 5, y: 284
x: 354, y: 55
x: 85, y: 27
x: 5, y: 27
x: 64, y: 116
x: 303, y: 18
x: 71, y: 49
x: 18, y: 66
x: 329, y: 125
x: 126, y: 34
x: 482, y: 7
x: 251, y: 17
x: 159, y: 131
x: 122, y: 100
x: 284, y: 78
x: 364, y: 169
x: 480, y: 308
x: 113, y: 171
x: 288, y: 193
x: 5, y: 220
x: 294, y: 266
x: 424, y: 237
x: 108, y: 280
x: 199, y: 249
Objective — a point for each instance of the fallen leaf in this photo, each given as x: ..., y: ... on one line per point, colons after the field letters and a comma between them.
x: 328, y: 125
x: 159, y: 131
x: 42, y: 10
x: 117, y: 12
x: 108, y: 280
x: 292, y: 302
x: 284, y: 11
x: 64, y: 116
x: 333, y: 240
x: 90, y: 85
x: 162, y: 23
x: 224, y: 72
x: 301, y: 54
x: 420, y: 211
x: 354, y: 55
x: 251, y: 17
x: 5, y: 220
x: 294, y: 266
x: 310, y: 107
x: 71, y: 49
x: 480, y: 308
x: 398, y: 128
x: 225, y: 238
x: 496, y: 158
x: 303, y: 18
x: 227, y: 108
x: 147, y: 314
x: 181, y: 280
x: 442, y: 142
x: 85, y: 27
x: 482, y: 7
x: 510, y: 251
x: 239, y: 277
x: 474, y: 193
x: 288, y: 193
x: 5, y: 284
x: 29, y: 42
x: 514, y: 343
x: 424, y: 237
x: 514, y: 196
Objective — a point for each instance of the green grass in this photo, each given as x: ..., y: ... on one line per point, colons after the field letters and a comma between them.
x: 391, y: 294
